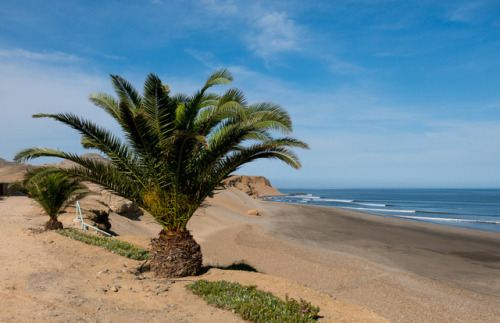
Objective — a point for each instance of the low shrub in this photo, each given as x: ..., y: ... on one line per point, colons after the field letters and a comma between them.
x: 115, y: 246
x: 252, y: 304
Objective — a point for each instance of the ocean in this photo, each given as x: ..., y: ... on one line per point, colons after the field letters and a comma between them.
x: 469, y: 208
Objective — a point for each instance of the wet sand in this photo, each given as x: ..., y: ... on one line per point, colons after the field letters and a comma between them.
x: 403, y: 270
x: 464, y: 257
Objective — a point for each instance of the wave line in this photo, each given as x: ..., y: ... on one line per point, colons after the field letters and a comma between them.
x: 380, y: 210
x: 447, y: 219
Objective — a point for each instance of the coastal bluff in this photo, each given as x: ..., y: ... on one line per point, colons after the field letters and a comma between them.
x: 254, y: 186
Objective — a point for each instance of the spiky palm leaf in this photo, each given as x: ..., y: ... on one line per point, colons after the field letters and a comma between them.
x: 51, y: 189
x: 178, y: 148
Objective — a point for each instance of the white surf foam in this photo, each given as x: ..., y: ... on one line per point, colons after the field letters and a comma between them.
x: 448, y: 220
x: 379, y: 210
x: 370, y: 204
x: 335, y: 200
x: 306, y: 196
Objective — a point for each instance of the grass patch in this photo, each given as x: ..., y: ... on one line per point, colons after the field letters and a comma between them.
x: 115, y: 246
x: 252, y: 304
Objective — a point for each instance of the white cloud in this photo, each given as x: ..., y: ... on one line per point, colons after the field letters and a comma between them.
x: 270, y: 31
x: 39, y: 56
x: 264, y: 30
x: 274, y: 32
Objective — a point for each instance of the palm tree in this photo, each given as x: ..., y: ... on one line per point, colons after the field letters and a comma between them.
x: 177, y: 149
x: 52, y: 190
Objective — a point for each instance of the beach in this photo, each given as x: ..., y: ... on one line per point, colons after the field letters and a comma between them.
x: 464, y: 257
x: 357, y: 267
x: 402, y: 270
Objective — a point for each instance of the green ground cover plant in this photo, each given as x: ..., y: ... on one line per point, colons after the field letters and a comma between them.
x: 252, y: 304
x: 115, y: 246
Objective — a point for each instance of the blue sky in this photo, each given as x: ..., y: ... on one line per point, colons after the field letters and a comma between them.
x: 387, y: 93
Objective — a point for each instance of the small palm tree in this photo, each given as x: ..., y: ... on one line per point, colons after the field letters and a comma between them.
x: 52, y: 190
x: 177, y: 150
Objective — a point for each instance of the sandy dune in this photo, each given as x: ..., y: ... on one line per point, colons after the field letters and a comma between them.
x: 49, y: 278
x: 356, y: 267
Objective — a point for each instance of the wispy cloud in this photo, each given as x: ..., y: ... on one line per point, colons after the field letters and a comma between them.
x: 205, y: 58
x: 221, y: 6
x: 115, y: 58
x: 274, y: 32
x: 343, y: 67
x: 404, y: 52
x: 271, y: 31
x: 465, y: 12
x: 265, y: 30
x: 493, y: 105
x: 39, y: 56
x: 447, y: 154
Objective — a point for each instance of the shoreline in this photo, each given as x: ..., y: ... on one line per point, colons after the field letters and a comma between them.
x: 414, y: 220
x: 402, y: 270
x: 445, y: 253
x: 464, y: 208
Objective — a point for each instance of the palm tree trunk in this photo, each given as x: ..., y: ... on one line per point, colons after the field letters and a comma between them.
x: 175, y: 254
x: 53, y: 224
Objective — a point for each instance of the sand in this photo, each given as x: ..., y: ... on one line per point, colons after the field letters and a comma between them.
x: 356, y: 267
x: 403, y: 270
x: 45, y: 277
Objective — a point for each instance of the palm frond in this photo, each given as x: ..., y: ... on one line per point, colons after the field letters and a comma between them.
x: 100, y: 139
x: 127, y: 94
x: 110, y: 178
x: 107, y: 103
x: 209, y: 99
x: 159, y: 107
x: 219, y: 77
x: 104, y: 174
x: 266, y: 115
x: 180, y: 98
